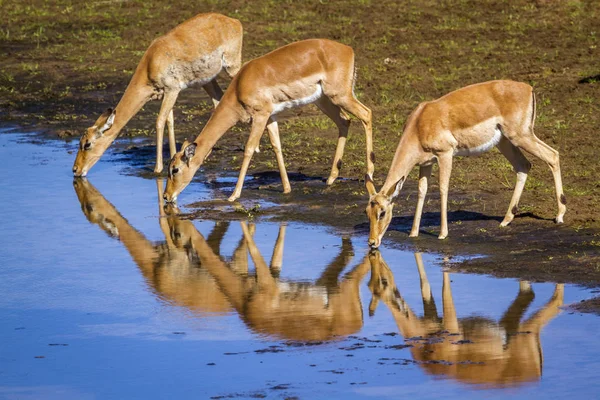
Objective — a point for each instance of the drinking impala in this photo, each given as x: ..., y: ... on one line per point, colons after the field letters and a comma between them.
x: 468, y: 121
x: 310, y: 71
x: 194, y: 52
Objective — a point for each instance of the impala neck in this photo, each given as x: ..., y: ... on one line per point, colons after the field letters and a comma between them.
x: 226, y: 115
x: 406, y: 157
x: 137, y: 94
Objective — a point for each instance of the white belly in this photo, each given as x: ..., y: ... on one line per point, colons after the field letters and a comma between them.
x: 278, y: 107
x: 490, y: 143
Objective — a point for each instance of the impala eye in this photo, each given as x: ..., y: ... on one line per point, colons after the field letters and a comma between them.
x: 175, y: 170
x: 87, y: 146
x: 382, y: 214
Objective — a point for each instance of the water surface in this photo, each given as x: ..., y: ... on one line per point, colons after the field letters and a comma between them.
x: 107, y: 295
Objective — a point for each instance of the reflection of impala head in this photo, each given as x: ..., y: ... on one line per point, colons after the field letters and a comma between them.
x: 94, y: 143
x: 180, y: 171
x: 474, y: 350
x: 379, y: 210
x: 382, y: 284
x: 94, y: 206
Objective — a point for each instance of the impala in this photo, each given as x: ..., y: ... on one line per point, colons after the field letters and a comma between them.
x: 193, y: 52
x: 475, y: 349
x: 468, y: 121
x: 310, y: 71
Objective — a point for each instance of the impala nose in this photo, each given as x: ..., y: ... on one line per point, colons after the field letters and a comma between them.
x: 372, y: 243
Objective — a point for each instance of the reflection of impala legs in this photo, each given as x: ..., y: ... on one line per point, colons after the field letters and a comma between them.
x: 508, y: 351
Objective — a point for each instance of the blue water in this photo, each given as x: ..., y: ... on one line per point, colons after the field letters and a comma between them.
x: 83, y: 318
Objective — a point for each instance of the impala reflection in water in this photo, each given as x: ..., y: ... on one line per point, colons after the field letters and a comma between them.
x: 474, y: 350
x: 173, y: 272
x: 188, y: 270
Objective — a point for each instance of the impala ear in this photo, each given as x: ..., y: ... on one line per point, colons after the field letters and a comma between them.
x: 370, y: 185
x: 105, y: 121
x: 188, y: 153
x: 395, y: 190
x: 184, y: 144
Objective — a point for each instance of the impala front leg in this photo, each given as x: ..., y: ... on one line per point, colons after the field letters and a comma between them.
x: 171, y: 130
x: 258, y: 127
x: 445, y: 163
x: 165, y: 110
x: 424, y: 174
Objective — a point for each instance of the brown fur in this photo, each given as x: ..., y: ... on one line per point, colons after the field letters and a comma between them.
x: 473, y: 118
x: 289, y: 74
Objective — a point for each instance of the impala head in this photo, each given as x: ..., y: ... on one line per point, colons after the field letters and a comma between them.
x: 94, y: 143
x: 180, y: 171
x: 379, y: 210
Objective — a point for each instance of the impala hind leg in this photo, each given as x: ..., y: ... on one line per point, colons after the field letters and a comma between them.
x: 335, y: 114
x: 214, y: 91
x: 350, y: 104
x: 165, y: 110
x: 424, y: 175
x: 258, y: 127
x: 521, y: 167
x: 445, y: 164
x: 531, y: 144
x: 273, y: 130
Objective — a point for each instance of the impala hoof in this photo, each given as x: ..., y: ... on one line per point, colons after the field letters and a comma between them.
x: 442, y: 237
x: 559, y: 219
